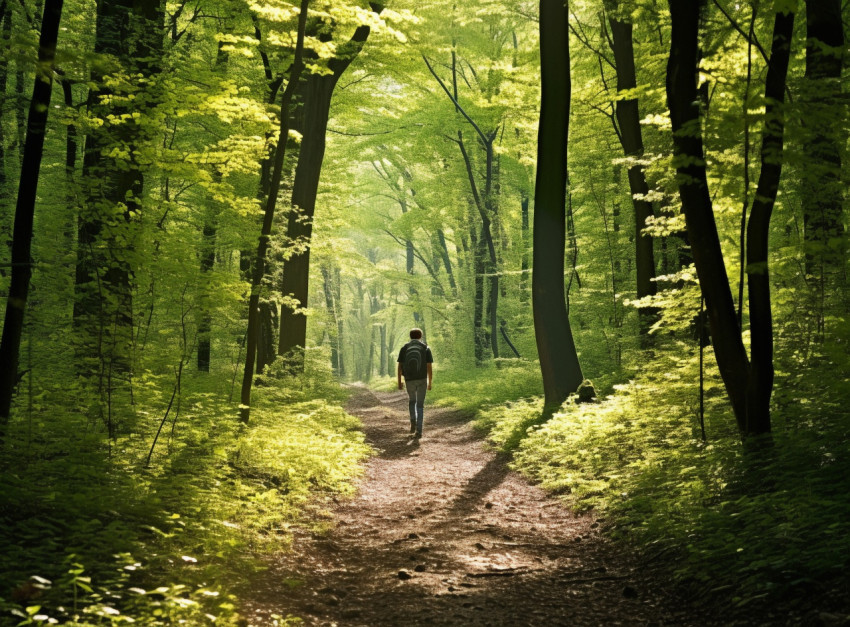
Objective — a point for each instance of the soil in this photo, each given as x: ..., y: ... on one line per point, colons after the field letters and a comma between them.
x: 441, y: 532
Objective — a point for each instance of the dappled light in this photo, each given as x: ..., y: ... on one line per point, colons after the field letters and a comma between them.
x: 343, y: 312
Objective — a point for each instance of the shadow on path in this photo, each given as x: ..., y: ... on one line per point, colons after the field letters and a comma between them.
x: 443, y: 533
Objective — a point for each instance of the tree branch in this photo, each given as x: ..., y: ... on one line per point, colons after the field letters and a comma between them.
x: 455, y: 102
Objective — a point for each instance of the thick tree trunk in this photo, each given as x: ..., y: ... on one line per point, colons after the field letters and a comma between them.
x: 131, y: 31
x: 6, y: 33
x: 821, y: 171
x: 760, y: 382
x: 317, y: 91
x: 25, y: 210
x: 265, y: 344
x: 253, y: 333
x: 628, y: 119
x: 689, y: 159
x: 559, y: 362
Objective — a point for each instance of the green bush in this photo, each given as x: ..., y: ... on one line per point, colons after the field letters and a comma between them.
x: 90, y: 534
x: 764, y: 524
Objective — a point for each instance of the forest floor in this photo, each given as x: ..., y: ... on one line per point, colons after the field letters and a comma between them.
x: 441, y: 532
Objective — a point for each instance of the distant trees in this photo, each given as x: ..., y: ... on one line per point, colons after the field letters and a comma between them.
x: 406, y: 193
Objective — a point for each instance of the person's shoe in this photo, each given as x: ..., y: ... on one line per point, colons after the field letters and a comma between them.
x: 412, y: 429
x: 418, y: 435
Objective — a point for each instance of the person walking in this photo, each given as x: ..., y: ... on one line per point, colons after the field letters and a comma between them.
x: 414, y: 364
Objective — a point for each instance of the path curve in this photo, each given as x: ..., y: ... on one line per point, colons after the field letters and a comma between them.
x: 442, y: 533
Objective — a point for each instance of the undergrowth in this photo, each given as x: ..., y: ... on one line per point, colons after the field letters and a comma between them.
x: 90, y: 535
x: 764, y: 525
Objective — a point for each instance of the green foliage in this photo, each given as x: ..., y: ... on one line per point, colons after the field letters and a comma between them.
x: 765, y: 524
x: 469, y: 389
x: 93, y: 538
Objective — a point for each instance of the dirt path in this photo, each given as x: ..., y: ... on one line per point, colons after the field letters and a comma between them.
x: 442, y: 533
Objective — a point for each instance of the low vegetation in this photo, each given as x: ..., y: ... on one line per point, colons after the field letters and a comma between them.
x: 91, y: 536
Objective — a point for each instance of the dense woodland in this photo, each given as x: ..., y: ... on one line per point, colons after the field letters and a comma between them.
x: 213, y: 213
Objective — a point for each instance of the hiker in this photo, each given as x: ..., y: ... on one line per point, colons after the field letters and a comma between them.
x: 414, y: 363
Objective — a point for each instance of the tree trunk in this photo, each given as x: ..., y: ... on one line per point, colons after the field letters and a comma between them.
x: 331, y: 305
x: 689, y: 159
x: 447, y: 262
x: 491, y: 265
x: 559, y: 362
x: 479, y: 328
x: 5, y: 192
x: 25, y: 210
x: 253, y: 333
x: 523, y: 279
x: 760, y: 382
x: 821, y: 168
x: 130, y: 31
x: 316, y: 91
x: 207, y: 255
x: 631, y: 139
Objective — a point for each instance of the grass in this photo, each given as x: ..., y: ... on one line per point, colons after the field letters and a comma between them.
x: 90, y: 535
x: 765, y: 526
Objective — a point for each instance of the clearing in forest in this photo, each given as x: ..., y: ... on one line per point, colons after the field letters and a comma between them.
x: 441, y: 532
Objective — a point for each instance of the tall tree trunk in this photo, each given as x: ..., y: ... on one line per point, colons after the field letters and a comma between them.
x: 821, y: 168
x: 631, y: 139
x: 559, y: 362
x: 331, y: 305
x: 131, y: 31
x: 316, y: 90
x: 33, y: 149
x: 479, y: 328
x: 6, y: 34
x: 689, y: 159
x: 484, y: 201
x: 253, y: 333
x: 443, y: 251
x: 523, y: 280
x: 207, y: 255
x: 760, y: 382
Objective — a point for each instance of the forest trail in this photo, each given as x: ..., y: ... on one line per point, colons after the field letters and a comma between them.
x: 441, y: 532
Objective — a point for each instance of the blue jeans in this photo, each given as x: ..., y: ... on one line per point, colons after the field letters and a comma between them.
x: 416, y: 393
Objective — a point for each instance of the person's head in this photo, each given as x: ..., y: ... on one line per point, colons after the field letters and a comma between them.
x: 416, y: 334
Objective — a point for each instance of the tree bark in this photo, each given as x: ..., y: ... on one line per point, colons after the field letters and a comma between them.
x: 316, y: 92
x: 33, y: 150
x: 760, y: 381
x: 207, y: 256
x: 524, y: 225
x: 631, y: 139
x: 253, y: 333
x: 821, y: 169
x: 132, y: 32
x: 702, y: 232
x: 559, y: 362
x: 331, y: 304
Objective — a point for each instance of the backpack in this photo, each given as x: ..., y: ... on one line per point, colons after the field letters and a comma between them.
x: 413, y: 366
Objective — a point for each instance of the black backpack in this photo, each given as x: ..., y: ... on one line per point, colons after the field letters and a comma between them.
x: 413, y: 365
